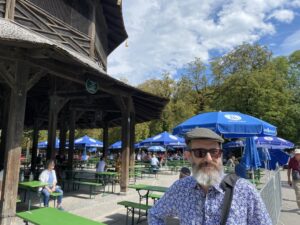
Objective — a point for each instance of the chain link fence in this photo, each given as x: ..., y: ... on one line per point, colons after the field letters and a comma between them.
x: 271, y: 195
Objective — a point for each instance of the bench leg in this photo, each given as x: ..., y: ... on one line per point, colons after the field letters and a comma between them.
x: 127, y: 214
x: 132, y: 220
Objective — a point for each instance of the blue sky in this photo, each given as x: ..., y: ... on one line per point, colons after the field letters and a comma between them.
x: 165, y: 35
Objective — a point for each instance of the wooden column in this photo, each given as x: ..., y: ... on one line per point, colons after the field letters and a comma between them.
x: 63, y: 133
x: 4, y: 126
x: 35, y: 139
x: 15, y: 124
x: 105, y: 140
x: 125, y: 146
x: 132, y: 140
x: 71, y: 139
x: 56, y: 104
x: 52, y: 125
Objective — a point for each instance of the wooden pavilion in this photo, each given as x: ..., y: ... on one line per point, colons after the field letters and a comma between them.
x: 53, y: 61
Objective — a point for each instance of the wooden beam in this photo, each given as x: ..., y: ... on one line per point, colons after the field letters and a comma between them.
x: 7, y: 76
x: 15, y: 124
x: 35, y: 78
x: 92, y: 30
x: 10, y: 9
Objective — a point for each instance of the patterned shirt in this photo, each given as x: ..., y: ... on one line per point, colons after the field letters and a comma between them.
x: 187, y: 201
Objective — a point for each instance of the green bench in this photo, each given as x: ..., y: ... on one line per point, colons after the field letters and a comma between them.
x: 92, y: 186
x: 51, y: 216
x: 154, y: 196
x: 53, y: 195
x: 131, y: 206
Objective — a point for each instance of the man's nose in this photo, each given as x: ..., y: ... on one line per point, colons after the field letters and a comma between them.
x: 208, y: 157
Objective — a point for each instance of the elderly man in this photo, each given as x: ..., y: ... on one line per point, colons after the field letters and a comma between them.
x: 199, y: 199
x: 294, y: 167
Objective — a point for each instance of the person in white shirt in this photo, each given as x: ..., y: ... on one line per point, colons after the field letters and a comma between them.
x: 101, y: 165
x: 49, y: 176
x: 154, y: 162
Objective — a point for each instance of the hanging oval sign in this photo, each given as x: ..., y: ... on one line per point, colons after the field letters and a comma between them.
x: 91, y: 86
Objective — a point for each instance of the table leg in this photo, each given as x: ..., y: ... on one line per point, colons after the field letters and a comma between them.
x: 29, y: 200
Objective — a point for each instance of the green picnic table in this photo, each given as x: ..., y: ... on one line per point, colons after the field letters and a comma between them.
x: 108, y: 177
x: 51, y: 216
x: 30, y: 186
x: 147, y: 188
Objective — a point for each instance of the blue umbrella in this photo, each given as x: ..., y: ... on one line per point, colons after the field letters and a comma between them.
x: 87, y: 141
x: 233, y: 144
x: 264, y: 154
x: 273, y: 142
x: 278, y: 156
x: 229, y: 124
x: 262, y: 142
x: 44, y: 144
x: 164, y: 139
x: 118, y: 145
x: 156, y: 149
x: 251, y: 157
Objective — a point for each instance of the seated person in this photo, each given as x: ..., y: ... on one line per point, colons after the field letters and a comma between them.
x: 231, y: 161
x: 154, y: 162
x: 49, y: 176
x: 184, y: 172
x: 100, y: 167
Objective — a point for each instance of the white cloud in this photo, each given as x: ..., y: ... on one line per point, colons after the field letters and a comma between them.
x: 166, y: 34
x: 283, y: 15
x: 291, y: 43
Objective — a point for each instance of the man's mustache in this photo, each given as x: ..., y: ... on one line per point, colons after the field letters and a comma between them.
x: 206, y: 164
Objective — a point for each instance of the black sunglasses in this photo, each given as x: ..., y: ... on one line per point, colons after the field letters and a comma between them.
x: 202, y: 152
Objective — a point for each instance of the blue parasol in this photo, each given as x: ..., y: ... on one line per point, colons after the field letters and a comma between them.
x: 156, y: 149
x: 251, y: 157
x: 229, y: 124
x: 164, y: 139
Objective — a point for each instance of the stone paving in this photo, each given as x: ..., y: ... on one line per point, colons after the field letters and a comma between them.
x: 104, y: 207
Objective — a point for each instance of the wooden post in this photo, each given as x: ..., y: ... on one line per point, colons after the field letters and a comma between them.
x: 71, y: 139
x: 132, y: 140
x: 125, y: 148
x: 52, y: 125
x: 105, y: 140
x: 63, y: 133
x: 15, y: 124
x: 56, y: 104
x: 35, y: 139
x: 10, y: 9
x: 4, y: 126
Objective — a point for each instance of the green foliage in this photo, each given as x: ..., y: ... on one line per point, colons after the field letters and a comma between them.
x: 248, y: 79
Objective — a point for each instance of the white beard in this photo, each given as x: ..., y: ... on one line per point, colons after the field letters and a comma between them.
x: 208, y: 178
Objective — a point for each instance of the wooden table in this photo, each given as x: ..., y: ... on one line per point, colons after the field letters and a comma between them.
x: 31, y: 186
x: 52, y: 216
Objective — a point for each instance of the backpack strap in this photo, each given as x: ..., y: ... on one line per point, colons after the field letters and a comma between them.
x: 227, y: 185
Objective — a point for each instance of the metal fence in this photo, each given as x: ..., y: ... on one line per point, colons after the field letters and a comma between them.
x: 271, y: 195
